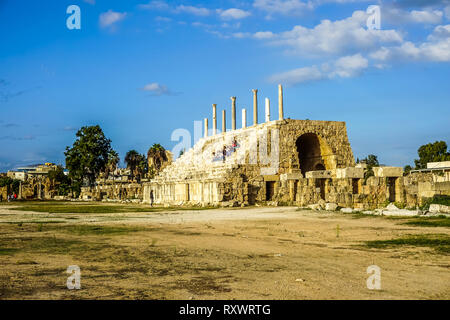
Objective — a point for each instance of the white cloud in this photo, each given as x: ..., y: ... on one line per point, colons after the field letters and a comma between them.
x: 241, y: 35
x: 432, y: 16
x: 198, y: 11
x: 155, y: 5
x: 341, y: 37
x: 164, y: 6
x: 436, y: 48
x: 157, y: 89
x: 263, y: 35
x: 285, y: 7
x: 394, y: 15
x: 350, y: 66
x: 299, y: 75
x: 233, y: 13
x: 345, y: 67
x: 447, y: 12
x: 110, y: 17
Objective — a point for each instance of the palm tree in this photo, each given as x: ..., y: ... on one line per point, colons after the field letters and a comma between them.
x: 132, y: 159
x: 113, y: 161
x: 136, y: 163
x: 156, y: 156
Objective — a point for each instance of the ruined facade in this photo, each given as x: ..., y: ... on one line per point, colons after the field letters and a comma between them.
x: 278, y: 162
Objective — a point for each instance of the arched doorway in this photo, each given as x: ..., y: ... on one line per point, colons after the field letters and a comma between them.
x: 309, y: 153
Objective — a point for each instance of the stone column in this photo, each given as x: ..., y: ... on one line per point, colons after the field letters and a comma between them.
x: 233, y: 113
x: 206, y: 127
x: 244, y: 118
x: 280, y: 102
x: 267, y: 110
x: 214, y: 119
x: 224, y: 124
x: 255, y: 107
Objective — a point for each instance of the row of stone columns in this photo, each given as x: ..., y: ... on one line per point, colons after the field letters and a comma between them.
x: 244, y: 112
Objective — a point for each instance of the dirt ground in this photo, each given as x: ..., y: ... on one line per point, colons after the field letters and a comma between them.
x: 249, y: 253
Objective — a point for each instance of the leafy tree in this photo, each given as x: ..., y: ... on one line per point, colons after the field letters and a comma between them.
x: 5, y: 181
x: 407, y: 169
x: 432, y: 152
x: 136, y: 163
x: 60, y: 181
x: 88, y: 155
x: 12, y: 184
x: 158, y: 154
x: 142, y: 168
x: 372, y: 161
x: 113, y: 161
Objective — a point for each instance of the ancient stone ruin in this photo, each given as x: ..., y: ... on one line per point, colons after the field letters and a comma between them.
x: 277, y: 162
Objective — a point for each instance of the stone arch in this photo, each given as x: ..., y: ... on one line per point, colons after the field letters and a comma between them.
x: 314, y: 153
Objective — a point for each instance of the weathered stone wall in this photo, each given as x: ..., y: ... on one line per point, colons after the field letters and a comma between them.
x: 263, y: 152
x: 120, y: 191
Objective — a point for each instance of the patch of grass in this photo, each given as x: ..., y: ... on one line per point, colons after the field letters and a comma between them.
x: 70, y: 207
x: 303, y: 209
x: 99, y: 230
x: 7, y: 251
x: 440, y: 199
x: 26, y: 262
x: 48, y: 245
x: 21, y: 223
x: 438, y: 242
x: 439, y: 221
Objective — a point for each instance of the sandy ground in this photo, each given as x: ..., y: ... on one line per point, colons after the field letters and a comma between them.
x: 251, y: 253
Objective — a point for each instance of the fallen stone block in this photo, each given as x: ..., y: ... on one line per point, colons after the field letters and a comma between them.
x: 331, y: 206
x: 315, y: 206
x: 439, y: 208
x: 402, y: 213
x: 392, y: 207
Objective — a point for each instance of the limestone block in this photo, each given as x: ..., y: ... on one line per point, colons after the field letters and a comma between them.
x: 401, y: 212
x: 347, y: 210
x: 441, y: 164
x: 349, y: 172
x: 322, y: 174
x: 439, y: 208
x: 314, y: 206
x: 388, y: 171
x: 331, y: 206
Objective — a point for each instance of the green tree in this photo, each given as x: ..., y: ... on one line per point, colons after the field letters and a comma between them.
x: 135, y: 163
x: 407, y: 169
x: 88, y: 155
x: 12, y: 184
x: 113, y: 161
x: 432, y: 152
x: 60, y: 182
x: 372, y: 161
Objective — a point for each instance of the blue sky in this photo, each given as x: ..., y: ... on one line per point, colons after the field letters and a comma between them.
x: 142, y: 69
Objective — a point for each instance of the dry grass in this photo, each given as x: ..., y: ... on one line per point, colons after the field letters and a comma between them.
x: 256, y: 253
